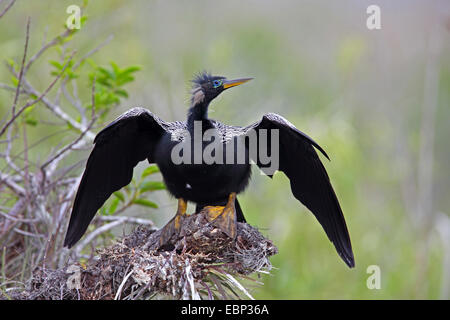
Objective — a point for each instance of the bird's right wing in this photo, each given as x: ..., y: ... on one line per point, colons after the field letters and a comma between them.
x: 118, y: 148
x: 310, y: 183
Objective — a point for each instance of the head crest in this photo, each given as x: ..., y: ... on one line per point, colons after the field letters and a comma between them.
x: 201, y: 78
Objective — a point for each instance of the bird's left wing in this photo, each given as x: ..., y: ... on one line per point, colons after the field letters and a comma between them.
x: 310, y: 183
x: 118, y: 148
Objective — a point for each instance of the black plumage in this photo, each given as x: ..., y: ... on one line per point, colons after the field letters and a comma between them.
x: 138, y: 135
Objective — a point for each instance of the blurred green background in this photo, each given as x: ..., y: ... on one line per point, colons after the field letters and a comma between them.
x: 376, y: 100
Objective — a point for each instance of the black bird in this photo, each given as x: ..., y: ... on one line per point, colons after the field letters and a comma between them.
x: 138, y: 134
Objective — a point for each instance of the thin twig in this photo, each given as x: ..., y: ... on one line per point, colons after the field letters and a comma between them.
x: 93, y: 51
x: 7, y: 8
x: 119, y: 291
x: 26, y: 180
x: 12, y: 185
x: 48, y: 45
x: 15, y: 211
x: 94, y: 234
x: 8, y: 159
x: 10, y: 217
x: 69, y: 146
x: 128, y: 220
x: 10, y: 88
x: 93, y: 98
x: 25, y: 50
x: 56, y: 110
x: 29, y: 234
x: 75, y: 101
x: 75, y: 144
x: 41, y: 97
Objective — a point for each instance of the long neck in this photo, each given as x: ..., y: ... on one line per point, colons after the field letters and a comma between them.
x: 199, y: 108
x: 199, y: 112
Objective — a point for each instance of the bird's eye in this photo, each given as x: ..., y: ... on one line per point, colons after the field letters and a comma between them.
x: 217, y: 83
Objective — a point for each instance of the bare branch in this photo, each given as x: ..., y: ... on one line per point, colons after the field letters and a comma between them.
x: 40, y: 97
x: 93, y: 98
x: 126, y: 219
x: 74, y: 144
x: 10, y: 217
x: 12, y: 185
x: 93, y: 51
x: 29, y: 234
x: 8, y: 87
x: 7, y: 8
x: 15, y: 211
x: 16, y: 97
x: 56, y: 109
x: 70, y: 194
x: 94, y: 234
x: 8, y: 159
x: 75, y: 101
x: 48, y: 45
x: 69, y: 146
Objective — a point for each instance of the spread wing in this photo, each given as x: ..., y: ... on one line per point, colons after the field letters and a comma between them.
x: 309, y: 180
x: 118, y: 148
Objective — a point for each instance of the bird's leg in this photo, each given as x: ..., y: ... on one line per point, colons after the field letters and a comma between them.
x: 174, y: 225
x: 224, y: 217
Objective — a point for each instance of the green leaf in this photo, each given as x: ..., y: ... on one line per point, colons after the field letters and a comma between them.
x: 151, y: 186
x: 150, y: 170
x: 145, y: 203
x: 56, y: 64
x: 68, y: 38
x: 71, y: 74
x: 130, y: 69
x: 15, y: 81
x: 121, y: 92
x: 10, y: 62
x: 31, y: 121
x: 70, y: 126
x: 106, y: 73
x: 83, y: 20
x: 120, y: 196
x: 123, y: 80
x: 113, y: 206
x: 28, y: 110
x: 115, y: 67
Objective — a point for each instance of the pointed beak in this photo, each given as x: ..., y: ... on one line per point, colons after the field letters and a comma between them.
x: 233, y: 83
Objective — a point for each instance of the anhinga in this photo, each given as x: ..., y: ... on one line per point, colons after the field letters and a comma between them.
x: 138, y: 134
